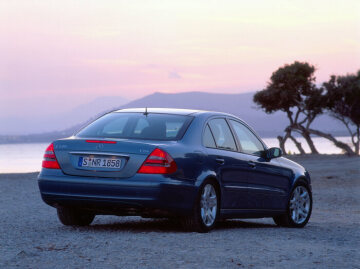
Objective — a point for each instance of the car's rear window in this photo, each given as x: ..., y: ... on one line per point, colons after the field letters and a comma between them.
x: 138, y: 126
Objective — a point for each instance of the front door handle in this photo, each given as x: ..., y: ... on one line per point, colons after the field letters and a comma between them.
x: 220, y: 161
x: 252, y: 164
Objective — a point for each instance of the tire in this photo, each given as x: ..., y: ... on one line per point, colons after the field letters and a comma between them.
x: 206, y: 209
x: 299, y: 208
x: 74, y: 217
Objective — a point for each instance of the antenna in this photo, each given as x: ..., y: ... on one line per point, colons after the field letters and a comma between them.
x: 146, y: 112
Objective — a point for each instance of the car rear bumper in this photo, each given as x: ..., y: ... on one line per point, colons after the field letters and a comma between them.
x: 141, y: 194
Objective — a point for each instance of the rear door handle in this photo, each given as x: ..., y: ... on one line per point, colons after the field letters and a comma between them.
x: 252, y: 164
x: 220, y: 161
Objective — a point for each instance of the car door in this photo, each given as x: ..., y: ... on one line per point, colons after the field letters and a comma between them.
x: 268, y: 182
x: 222, y: 153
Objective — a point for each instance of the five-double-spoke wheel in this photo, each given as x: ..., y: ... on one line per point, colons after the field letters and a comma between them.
x: 206, y: 209
x: 299, y: 208
x: 208, y: 205
x: 300, y: 204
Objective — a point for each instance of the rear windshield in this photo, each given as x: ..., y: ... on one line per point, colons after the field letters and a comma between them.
x: 137, y: 126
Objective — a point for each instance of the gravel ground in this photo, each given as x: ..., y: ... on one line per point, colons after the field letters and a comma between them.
x: 32, y: 237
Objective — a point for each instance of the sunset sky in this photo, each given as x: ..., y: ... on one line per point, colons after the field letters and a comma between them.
x: 58, y: 54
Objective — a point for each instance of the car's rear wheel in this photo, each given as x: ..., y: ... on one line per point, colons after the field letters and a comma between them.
x: 299, y: 208
x: 74, y: 217
x: 206, y: 209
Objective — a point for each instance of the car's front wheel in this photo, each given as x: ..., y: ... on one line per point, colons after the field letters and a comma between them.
x: 74, y: 217
x: 206, y: 209
x: 299, y: 208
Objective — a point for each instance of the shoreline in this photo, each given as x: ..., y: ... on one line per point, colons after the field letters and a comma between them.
x: 18, y: 175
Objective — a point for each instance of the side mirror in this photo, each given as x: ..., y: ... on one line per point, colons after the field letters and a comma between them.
x: 272, y: 153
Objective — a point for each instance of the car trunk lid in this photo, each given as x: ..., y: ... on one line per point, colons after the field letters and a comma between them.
x: 117, y: 158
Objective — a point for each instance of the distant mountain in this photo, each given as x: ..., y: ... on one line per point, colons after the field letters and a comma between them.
x: 48, y: 122
x: 241, y: 105
x: 97, y: 106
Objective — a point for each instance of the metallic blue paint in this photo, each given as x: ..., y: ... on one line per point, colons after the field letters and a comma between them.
x: 249, y: 185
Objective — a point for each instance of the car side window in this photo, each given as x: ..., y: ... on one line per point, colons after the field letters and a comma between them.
x: 248, y: 141
x: 222, y: 134
x: 208, y: 139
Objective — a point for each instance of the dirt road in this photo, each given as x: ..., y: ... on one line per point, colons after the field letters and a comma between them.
x: 32, y: 237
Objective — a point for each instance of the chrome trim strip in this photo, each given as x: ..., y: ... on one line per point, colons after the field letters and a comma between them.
x: 245, y: 210
x: 254, y: 188
x: 235, y: 187
x: 98, y: 153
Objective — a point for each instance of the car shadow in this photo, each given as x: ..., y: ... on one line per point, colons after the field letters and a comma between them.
x: 139, y: 225
x: 169, y: 225
x: 243, y: 224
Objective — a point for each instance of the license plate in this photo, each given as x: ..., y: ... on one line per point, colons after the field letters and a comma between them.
x: 99, y: 162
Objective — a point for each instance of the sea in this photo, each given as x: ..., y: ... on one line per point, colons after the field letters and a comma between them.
x: 27, y: 157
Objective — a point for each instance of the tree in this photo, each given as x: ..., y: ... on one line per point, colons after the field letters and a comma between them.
x: 343, y: 103
x: 292, y: 89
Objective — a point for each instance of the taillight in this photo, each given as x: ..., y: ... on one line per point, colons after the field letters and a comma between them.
x: 50, y: 160
x: 158, y: 162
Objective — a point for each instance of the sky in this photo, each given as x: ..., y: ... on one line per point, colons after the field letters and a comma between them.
x: 55, y: 55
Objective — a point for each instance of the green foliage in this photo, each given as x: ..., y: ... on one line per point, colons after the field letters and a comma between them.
x: 292, y: 89
x: 343, y: 97
x: 291, y: 86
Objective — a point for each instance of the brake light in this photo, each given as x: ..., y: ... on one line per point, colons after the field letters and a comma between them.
x: 50, y: 160
x: 158, y: 162
x: 101, y: 141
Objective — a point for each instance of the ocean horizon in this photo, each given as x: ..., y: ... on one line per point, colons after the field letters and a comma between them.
x: 27, y: 157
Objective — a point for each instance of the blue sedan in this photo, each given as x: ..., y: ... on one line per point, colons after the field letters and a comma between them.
x: 195, y: 166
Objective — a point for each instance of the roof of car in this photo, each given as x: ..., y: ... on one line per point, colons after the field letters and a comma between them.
x: 161, y: 110
x: 175, y: 111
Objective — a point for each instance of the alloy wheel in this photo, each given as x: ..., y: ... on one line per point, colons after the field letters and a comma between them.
x: 299, y: 204
x: 208, y: 205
